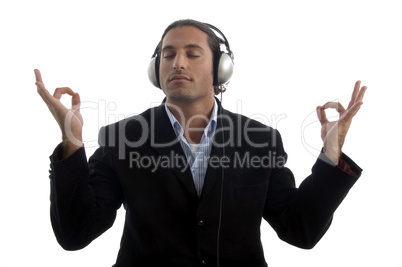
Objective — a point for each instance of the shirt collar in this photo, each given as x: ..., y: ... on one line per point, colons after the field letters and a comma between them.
x: 209, y: 129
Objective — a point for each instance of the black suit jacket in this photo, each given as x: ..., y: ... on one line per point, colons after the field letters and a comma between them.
x: 140, y: 164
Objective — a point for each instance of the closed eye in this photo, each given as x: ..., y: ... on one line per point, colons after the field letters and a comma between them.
x: 168, y: 55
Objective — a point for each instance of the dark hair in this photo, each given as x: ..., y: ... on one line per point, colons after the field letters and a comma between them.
x: 213, y: 40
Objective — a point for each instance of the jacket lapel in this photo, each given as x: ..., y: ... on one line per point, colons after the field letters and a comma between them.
x: 221, y: 148
x: 165, y: 143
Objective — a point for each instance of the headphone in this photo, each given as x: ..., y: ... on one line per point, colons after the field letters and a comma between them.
x: 223, y: 63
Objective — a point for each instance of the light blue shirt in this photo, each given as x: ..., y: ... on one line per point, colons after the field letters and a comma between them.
x: 197, y: 154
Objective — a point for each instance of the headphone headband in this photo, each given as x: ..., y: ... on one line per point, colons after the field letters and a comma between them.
x: 223, y: 62
x: 226, y: 42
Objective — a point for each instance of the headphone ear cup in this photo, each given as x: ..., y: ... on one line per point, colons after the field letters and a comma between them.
x: 152, y: 72
x: 223, y: 68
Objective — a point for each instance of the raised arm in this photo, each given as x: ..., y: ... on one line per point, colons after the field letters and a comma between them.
x: 84, y: 196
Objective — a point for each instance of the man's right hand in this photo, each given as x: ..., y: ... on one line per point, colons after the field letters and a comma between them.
x: 69, y: 120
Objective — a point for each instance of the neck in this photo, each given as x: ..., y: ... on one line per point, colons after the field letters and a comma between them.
x: 193, y: 117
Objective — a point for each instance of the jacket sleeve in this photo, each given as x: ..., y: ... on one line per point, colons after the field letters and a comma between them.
x: 84, y: 197
x: 301, y: 216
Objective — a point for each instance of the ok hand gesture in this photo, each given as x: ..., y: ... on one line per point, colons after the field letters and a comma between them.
x: 333, y: 133
x: 69, y: 120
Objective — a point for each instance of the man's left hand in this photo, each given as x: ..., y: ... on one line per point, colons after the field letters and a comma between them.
x: 333, y: 133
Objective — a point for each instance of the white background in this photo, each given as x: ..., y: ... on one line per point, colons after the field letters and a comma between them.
x: 290, y: 56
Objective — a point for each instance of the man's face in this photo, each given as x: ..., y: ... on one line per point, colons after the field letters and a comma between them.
x: 185, y: 71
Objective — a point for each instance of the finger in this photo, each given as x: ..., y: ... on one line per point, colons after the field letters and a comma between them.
x: 61, y: 91
x: 336, y: 105
x: 358, y: 93
x: 322, y: 117
x: 360, y: 96
x: 43, y: 92
x: 38, y: 76
x: 355, y: 92
x: 352, y: 111
x: 40, y: 86
x: 47, y: 98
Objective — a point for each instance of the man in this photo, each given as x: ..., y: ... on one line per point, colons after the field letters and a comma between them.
x: 194, y: 178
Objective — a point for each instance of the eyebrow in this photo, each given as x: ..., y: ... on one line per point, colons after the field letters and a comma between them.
x: 169, y: 47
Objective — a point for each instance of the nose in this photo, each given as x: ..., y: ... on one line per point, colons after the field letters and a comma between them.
x: 180, y: 62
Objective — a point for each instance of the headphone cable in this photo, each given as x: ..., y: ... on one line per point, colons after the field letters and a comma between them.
x: 221, y: 194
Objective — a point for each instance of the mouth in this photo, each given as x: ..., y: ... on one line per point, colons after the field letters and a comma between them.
x: 179, y: 77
